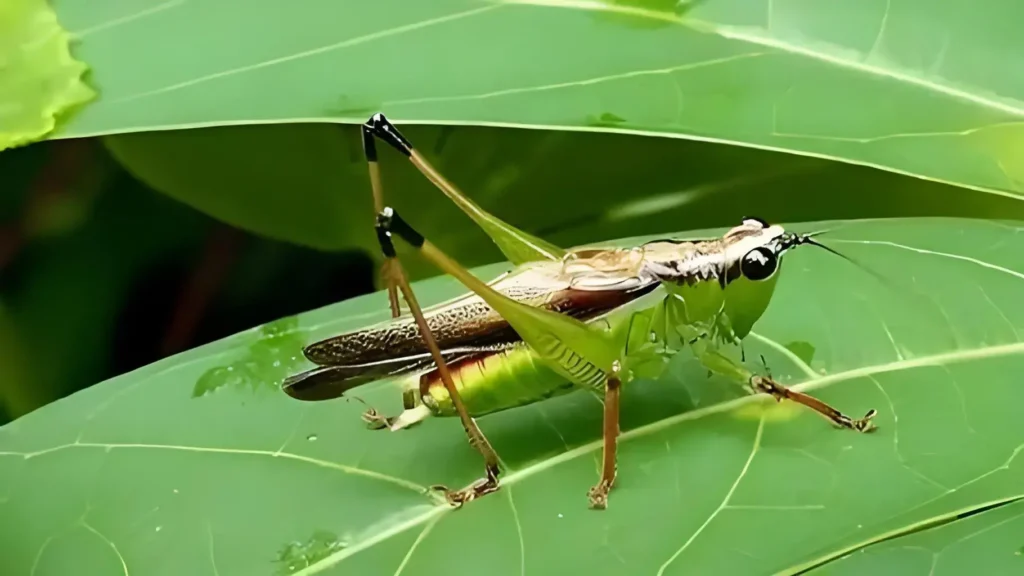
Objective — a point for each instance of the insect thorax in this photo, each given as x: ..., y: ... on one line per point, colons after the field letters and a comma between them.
x: 708, y: 286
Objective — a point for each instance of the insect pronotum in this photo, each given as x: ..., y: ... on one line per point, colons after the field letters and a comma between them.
x: 560, y: 321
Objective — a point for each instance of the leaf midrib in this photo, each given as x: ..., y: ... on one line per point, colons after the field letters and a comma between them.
x: 930, y: 523
x: 943, y: 359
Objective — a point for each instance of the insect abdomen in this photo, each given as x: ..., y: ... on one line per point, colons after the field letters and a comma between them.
x: 493, y: 382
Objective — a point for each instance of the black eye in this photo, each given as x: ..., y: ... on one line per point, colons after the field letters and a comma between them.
x: 759, y: 263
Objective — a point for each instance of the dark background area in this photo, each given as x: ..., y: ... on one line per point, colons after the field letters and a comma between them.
x: 100, y: 274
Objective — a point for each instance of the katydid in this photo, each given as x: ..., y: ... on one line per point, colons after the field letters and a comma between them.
x: 560, y: 321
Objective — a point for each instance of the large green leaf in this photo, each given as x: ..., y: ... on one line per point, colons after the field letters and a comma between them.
x: 40, y: 81
x: 199, y: 464
x: 914, y: 86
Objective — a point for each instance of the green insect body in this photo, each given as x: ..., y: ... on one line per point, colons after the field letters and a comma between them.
x: 588, y: 319
x: 650, y: 301
x: 519, y: 375
x: 650, y: 332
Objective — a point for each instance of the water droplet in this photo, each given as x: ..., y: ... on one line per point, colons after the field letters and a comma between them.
x: 231, y: 368
x: 158, y: 528
x: 277, y: 363
x: 654, y: 336
x: 175, y: 490
x: 293, y: 357
x: 559, y: 515
x: 311, y: 437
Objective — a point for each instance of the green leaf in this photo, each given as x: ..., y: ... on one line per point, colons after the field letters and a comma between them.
x: 39, y: 79
x: 917, y: 87
x: 138, y: 475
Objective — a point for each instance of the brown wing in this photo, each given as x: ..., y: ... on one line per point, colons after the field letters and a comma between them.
x: 468, y: 324
x: 328, y: 382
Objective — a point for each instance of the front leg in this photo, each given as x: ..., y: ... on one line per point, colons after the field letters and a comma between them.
x: 779, y: 392
x: 721, y: 364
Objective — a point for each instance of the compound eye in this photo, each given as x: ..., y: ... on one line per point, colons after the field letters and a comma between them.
x: 759, y: 264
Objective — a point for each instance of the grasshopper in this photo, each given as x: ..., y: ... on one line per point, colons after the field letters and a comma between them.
x: 560, y: 321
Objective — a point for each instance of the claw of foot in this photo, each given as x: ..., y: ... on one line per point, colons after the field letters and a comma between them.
x: 455, y: 498
x: 598, y: 496
x: 374, y: 421
x: 864, y: 424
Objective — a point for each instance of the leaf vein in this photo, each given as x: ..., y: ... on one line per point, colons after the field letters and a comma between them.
x: 896, y: 439
x: 999, y: 311
x: 975, y: 261
x: 90, y: 528
x: 121, y: 20
x: 798, y: 361
x: 415, y: 544
x: 725, y: 501
x: 307, y: 53
x: 574, y: 83
x: 519, y: 532
x: 881, y: 30
x: 240, y: 451
x: 899, y: 135
x: 212, y: 551
x: 39, y: 555
x: 762, y: 37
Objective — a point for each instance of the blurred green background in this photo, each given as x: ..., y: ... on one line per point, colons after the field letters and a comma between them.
x: 102, y: 272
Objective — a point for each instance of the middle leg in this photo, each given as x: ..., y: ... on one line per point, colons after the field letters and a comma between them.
x: 598, y: 494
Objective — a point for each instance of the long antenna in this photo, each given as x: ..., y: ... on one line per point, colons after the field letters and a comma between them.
x: 808, y: 238
x: 884, y: 280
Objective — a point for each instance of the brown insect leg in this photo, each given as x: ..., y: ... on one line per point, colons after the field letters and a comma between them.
x: 489, y: 483
x: 780, y: 393
x: 386, y: 273
x: 598, y: 495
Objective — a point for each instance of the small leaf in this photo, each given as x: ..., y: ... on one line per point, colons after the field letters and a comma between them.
x: 40, y: 80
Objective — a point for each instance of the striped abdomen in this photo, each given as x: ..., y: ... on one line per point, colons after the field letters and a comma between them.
x: 494, y: 381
